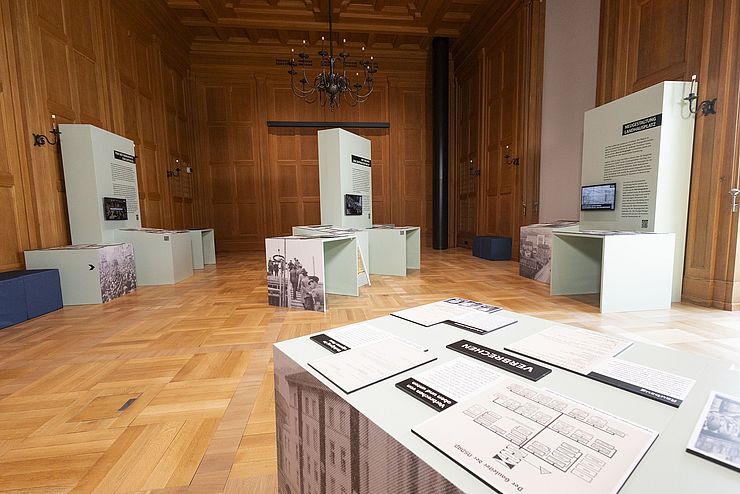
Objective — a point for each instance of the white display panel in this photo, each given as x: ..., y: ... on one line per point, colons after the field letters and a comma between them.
x: 97, y: 164
x: 643, y: 143
x: 345, y: 168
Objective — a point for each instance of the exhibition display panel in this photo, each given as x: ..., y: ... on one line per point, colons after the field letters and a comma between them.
x: 396, y: 249
x: 629, y: 270
x: 203, y: 247
x: 363, y: 246
x: 499, y: 429
x: 100, y: 182
x: 535, y: 248
x: 301, y: 270
x: 163, y: 257
x: 89, y: 273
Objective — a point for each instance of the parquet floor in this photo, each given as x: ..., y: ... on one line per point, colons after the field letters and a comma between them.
x: 196, y: 360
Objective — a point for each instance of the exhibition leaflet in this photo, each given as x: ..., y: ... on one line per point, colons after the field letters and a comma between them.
x: 575, y: 349
x: 446, y: 384
x: 518, y: 438
x: 354, y: 335
x: 593, y: 355
x: 716, y: 436
x: 360, y: 367
x: 467, y: 314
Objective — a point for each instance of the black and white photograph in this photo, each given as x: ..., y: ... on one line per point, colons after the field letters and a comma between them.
x: 717, y: 433
x: 535, y: 249
x: 295, y: 274
x: 117, y: 271
x: 352, y: 205
x: 114, y: 209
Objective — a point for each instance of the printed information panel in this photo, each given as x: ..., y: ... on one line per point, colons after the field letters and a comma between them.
x: 518, y: 438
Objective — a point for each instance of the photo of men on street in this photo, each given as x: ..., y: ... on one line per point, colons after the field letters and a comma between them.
x: 295, y: 270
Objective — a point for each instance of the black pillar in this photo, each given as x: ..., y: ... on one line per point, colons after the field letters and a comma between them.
x: 440, y: 75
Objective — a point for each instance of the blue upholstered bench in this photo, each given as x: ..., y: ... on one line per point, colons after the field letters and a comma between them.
x: 492, y: 248
x: 28, y: 294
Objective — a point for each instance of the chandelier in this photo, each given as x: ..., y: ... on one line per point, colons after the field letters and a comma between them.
x: 332, y: 83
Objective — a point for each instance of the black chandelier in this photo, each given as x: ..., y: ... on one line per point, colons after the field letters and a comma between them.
x: 331, y: 84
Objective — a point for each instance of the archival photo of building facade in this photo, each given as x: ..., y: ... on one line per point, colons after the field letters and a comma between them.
x: 535, y: 249
x: 327, y: 447
x: 117, y: 271
x: 295, y: 273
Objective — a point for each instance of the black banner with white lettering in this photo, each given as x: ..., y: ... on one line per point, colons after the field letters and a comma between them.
x: 128, y: 158
x: 509, y: 363
x: 429, y: 396
x: 359, y: 160
x: 642, y: 124
x: 330, y: 344
x: 638, y: 390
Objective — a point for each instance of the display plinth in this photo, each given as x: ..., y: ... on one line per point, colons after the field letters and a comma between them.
x: 163, y: 257
x: 393, y: 251
x: 535, y: 248
x: 89, y: 273
x: 203, y: 246
x: 630, y: 271
x: 302, y: 270
x: 363, y: 245
x: 381, y: 415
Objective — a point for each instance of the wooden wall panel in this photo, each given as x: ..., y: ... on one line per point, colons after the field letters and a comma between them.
x: 264, y: 181
x: 108, y: 63
x: 643, y: 42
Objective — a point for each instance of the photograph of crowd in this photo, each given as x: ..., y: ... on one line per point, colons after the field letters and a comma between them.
x: 117, y: 271
x: 295, y: 271
x: 718, y: 434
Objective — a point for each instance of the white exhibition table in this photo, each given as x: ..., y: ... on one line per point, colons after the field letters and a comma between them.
x: 393, y: 251
x: 666, y: 467
x: 203, y: 246
x: 630, y: 271
x: 163, y: 257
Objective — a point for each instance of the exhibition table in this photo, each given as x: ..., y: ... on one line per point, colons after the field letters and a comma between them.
x: 203, y: 246
x: 363, y: 249
x: 89, y: 273
x: 393, y: 251
x: 163, y: 257
x: 330, y: 262
x: 630, y: 270
x: 362, y: 441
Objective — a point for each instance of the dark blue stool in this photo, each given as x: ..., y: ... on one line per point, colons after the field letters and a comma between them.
x: 27, y: 294
x: 492, y: 248
x: 43, y: 291
x: 12, y: 299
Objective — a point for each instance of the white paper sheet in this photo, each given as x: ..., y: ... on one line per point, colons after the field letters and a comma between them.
x: 459, y: 378
x: 575, y: 349
x: 368, y: 364
x: 653, y: 382
x: 518, y: 438
x: 480, y: 318
x: 363, y: 333
x: 716, y: 436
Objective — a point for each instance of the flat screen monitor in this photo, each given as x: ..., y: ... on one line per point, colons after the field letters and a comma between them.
x: 352, y: 205
x: 597, y: 197
x: 114, y: 209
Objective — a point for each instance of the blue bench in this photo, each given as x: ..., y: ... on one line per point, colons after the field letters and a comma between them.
x: 28, y: 294
x: 492, y: 248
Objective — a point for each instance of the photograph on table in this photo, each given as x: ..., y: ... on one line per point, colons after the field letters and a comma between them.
x: 717, y: 433
x: 117, y: 271
x: 295, y: 274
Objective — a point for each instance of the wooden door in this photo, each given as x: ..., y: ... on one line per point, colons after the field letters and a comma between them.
x: 502, y: 80
x: 468, y: 163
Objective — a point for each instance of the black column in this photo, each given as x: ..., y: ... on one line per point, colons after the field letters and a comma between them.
x: 440, y: 70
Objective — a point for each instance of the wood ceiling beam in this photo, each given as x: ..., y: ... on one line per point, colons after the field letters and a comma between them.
x: 433, y: 14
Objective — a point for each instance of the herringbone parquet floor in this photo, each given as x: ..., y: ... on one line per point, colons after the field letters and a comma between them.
x: 196, y: 357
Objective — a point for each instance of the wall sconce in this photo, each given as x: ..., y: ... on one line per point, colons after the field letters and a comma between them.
x: 706, y: 107
x: 176, y: 171
x: 41, y: 139
x: 509, y: 160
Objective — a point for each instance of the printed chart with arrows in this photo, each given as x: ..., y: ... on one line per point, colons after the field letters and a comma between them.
x: 519, y: 438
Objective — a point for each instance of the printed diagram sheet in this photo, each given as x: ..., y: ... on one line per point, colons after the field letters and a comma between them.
x: 518, y: 438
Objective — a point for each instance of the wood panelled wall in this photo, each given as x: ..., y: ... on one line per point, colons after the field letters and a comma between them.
x: 264, y: 181
x: 498, y: 80
x: 121, y: 65
x: 643, y: 42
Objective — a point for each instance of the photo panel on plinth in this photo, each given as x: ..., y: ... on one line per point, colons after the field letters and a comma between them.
x: 295, y: 273
x: 163, y: 257
x: 363, y: 245
x: 89, y: 273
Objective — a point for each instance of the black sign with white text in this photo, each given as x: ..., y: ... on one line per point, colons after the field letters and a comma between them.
x: 509, y: 363
x: 330, y: 344
x: 429, y: 396
x: 128, y: 158
x: 638, y: 390
x: 359, y: 160
x: 642, y: 124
